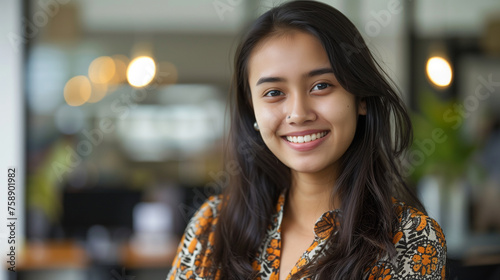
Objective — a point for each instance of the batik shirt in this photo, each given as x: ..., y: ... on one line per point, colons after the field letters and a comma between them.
x: 419, y: 242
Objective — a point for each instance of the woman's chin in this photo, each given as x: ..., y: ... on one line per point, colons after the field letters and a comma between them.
x: 307, y: 168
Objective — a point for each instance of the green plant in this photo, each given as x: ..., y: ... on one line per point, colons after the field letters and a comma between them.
x: 450, y: 158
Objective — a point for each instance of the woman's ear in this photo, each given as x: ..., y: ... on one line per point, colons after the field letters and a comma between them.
x: 362, y: 107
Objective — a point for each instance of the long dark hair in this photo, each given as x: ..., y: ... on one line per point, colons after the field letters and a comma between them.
x: 369, y: 174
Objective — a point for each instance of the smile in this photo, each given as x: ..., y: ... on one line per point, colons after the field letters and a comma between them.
x: 306, y: 138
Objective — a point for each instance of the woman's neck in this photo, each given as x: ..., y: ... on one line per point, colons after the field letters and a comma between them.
x: 309, y: 197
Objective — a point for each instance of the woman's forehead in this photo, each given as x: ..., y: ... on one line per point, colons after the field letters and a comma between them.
x: 296, y: 54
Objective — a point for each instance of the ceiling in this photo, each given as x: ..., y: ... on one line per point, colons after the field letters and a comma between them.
x: 455, y: 17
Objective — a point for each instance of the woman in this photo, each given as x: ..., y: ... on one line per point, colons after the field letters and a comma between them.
x: 317, y: 193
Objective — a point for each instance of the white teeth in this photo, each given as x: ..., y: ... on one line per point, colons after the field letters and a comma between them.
x: 306, y: 138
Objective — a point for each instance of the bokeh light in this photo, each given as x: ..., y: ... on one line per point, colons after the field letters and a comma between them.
x: 121, y: 63
x: 141, y: 71
x: 439, y: 71
x: 167, y: 73
x: 98, y: 92
x: 102, y: 70
x: 77, y: 91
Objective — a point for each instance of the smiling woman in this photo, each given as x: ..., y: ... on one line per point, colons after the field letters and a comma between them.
x: 300, y: 98
x: 321, y: 197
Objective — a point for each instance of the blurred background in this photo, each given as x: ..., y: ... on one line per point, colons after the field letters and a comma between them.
x: 114, y: 115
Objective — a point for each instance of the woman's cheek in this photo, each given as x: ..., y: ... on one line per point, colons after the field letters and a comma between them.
x: 269, y: 122
x: 339, y: 111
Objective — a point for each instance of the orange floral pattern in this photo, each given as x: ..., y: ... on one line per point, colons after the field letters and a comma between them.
x: 419, y: 242
x: 421, y: 247
x: 380, y: 272
x: 425, y: 261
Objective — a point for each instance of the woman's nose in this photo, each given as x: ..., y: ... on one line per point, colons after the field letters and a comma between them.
x: 300, y: 110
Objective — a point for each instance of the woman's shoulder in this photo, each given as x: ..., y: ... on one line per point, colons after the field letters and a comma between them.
x: 205, y: 218
x: 212, y: 203
x: 417, y: 224
x: 194, y: 253
x: 420, y: 246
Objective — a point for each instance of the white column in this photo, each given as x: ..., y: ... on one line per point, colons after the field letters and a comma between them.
x: 11, y: 126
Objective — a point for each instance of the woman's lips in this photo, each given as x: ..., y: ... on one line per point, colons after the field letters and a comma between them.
x: 304, y: 138
x: 305, y: 141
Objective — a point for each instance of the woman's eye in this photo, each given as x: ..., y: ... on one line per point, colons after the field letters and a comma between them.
x: 321, y: 86
x: 273, y: 93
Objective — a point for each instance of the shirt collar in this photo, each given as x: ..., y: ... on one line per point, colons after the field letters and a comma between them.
x: 327, y: 224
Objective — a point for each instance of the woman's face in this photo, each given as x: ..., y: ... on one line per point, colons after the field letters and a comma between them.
x: 305, y: 117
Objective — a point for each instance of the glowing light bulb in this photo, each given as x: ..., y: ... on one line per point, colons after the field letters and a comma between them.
x: 141, y: 71
x: 439, y: 71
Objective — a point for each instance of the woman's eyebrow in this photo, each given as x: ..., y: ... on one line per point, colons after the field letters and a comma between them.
x: 313, y: 73
x: 320, y: 71
x: 269, y: 80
